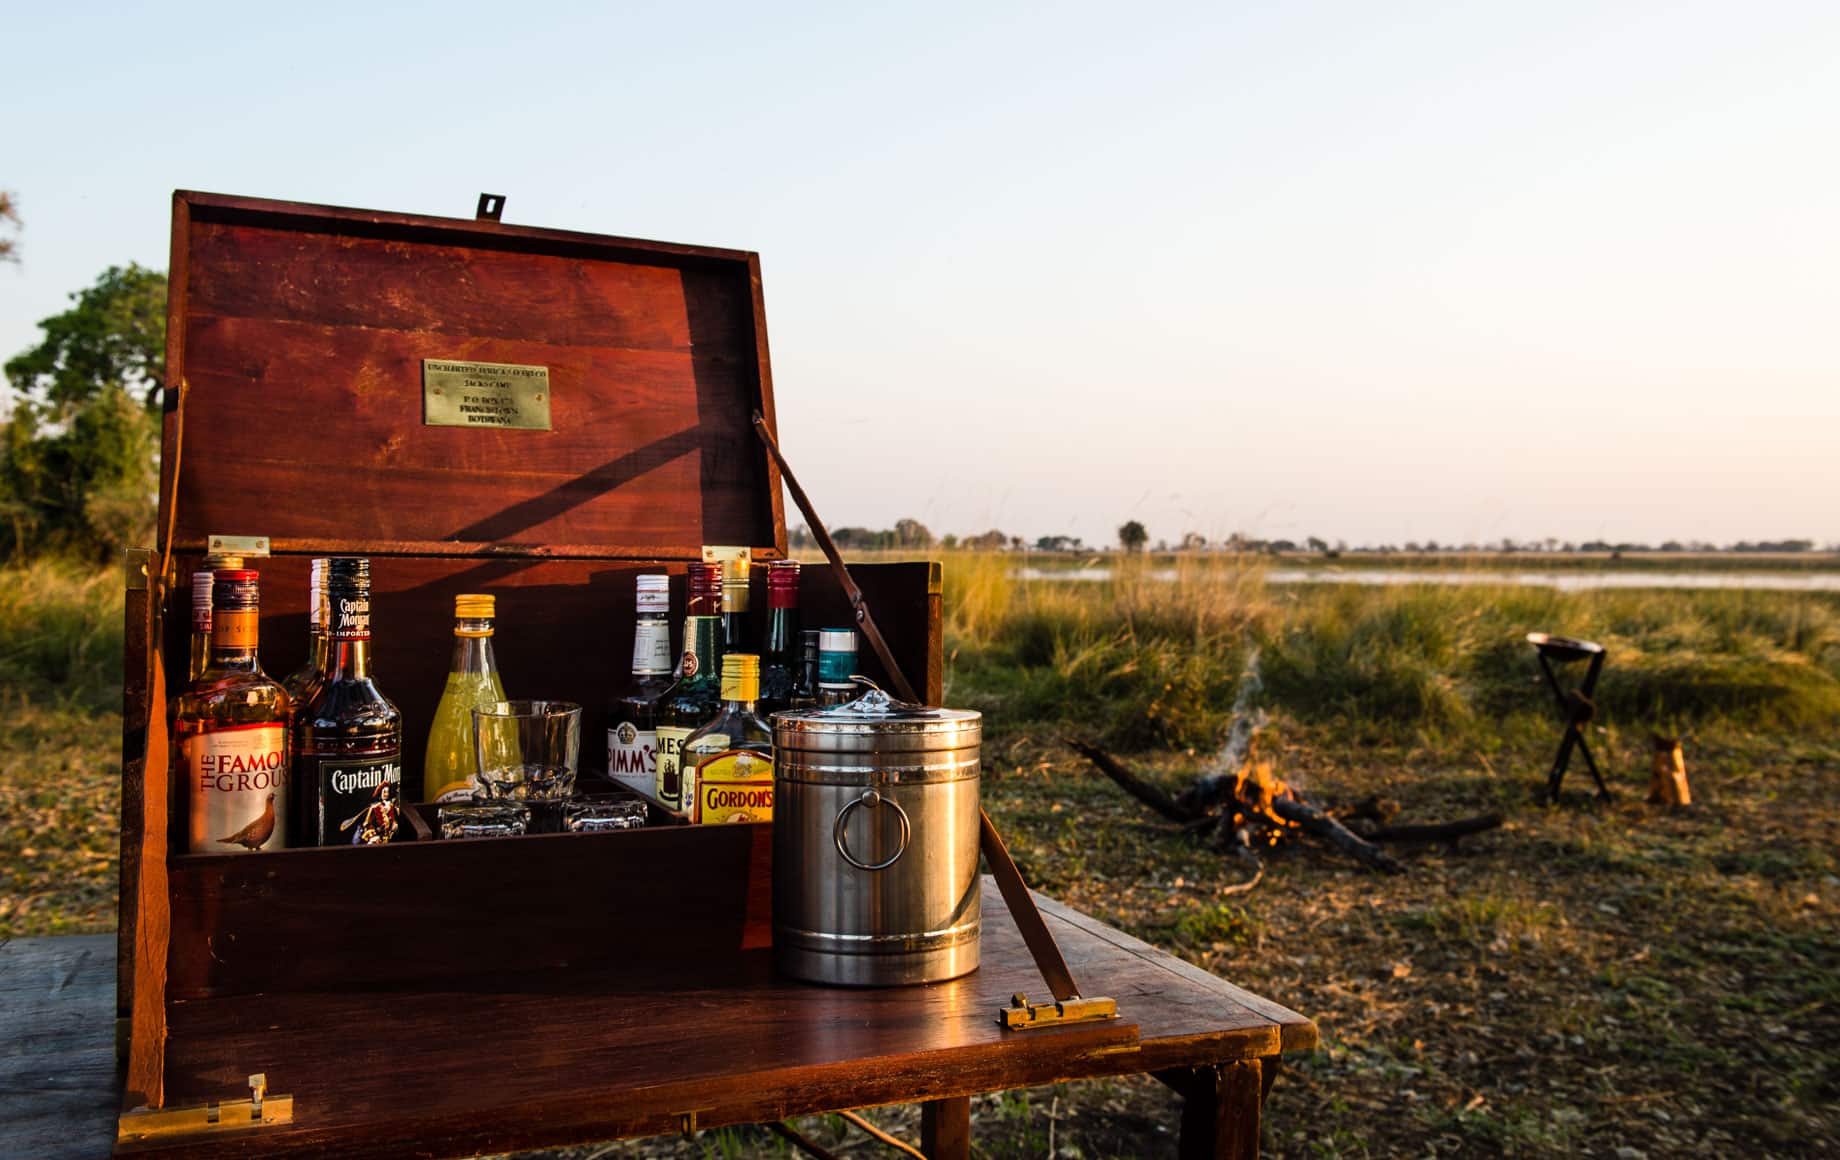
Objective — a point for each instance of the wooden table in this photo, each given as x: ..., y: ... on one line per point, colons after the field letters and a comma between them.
x: 556, y: 1060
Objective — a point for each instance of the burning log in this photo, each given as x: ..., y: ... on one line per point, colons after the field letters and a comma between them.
x: 1258, y: 809
x: 1244, y: 806
x: 1437, y: 832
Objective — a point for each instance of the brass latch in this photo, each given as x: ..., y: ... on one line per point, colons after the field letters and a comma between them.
x: 261, y: 1110
x: 1022, y: 1014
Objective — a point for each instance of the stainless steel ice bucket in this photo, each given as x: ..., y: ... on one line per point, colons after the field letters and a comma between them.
x: 875, y: 843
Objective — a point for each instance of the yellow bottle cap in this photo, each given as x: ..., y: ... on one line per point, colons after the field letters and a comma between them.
x: 475, y: 606
x: 740, y: 677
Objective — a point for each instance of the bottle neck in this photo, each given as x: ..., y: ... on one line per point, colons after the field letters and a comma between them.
x: 473, y: 648
x: 348, y: 660
x: 349, y: 633
x: 233, y: 639
x: 783, y: 635
x: 652, y: 645
x: 702, y: 652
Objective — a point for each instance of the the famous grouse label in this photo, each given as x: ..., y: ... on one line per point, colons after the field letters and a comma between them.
x: 236, y: 779
x: 360, y: 799
x: 632, y: 757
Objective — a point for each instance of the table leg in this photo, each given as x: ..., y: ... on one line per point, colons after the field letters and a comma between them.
x: 1220, y: 1112
x: 945, y: 1128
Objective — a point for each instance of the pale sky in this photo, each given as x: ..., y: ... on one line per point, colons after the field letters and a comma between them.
x: 1368, y: 271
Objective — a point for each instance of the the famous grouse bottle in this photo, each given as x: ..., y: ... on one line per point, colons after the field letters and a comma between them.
x: 348, y: 736
x: 230, y: 733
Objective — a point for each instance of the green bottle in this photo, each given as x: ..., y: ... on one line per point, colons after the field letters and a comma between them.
x: 698, y: 693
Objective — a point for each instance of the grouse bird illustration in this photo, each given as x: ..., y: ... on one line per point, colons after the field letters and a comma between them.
x: 257, y: 832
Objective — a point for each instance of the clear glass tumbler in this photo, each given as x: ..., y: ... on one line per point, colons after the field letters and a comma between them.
x: 528, y: 752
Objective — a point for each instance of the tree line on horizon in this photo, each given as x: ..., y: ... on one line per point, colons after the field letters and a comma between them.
x: 1133, y: 537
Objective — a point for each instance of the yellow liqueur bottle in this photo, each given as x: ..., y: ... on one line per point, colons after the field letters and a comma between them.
x: 728, y: 763
x: 472, y: 680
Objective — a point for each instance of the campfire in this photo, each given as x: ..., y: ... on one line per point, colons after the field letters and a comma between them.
x: 1240, y: 805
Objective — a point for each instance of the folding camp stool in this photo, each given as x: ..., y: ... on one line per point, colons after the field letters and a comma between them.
x: 1576, y: 707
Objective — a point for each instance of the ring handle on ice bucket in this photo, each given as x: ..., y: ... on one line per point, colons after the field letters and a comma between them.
x: 871, y: 798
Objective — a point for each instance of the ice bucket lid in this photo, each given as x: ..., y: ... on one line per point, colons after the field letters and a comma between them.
x: 877, y: 723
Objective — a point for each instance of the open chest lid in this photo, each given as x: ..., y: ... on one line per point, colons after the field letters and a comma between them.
x: 350, y: 381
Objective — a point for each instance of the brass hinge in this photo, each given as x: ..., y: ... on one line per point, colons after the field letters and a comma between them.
x: 137, y: 568
x: 236, y: 545
x: 261, y: 1110
x: 1022, y: 1014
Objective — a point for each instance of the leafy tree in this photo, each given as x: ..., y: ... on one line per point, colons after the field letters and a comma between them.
x: 78, y: 451
x: 1132, y: 536
x: 912, y: 534
x: 991, y: 541
x: 9, y: 216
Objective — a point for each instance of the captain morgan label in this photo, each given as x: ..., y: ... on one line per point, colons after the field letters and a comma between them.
x: 236, y: 777
x: 735, y: 785
x: 360, y: 799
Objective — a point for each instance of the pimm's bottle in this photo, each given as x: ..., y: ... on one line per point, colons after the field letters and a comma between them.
x: 230, y: 733
x: 472, y: 680
x: 698, y: 692
x: 348, y: 736
x: 632, y: 730
x: 779, y: 668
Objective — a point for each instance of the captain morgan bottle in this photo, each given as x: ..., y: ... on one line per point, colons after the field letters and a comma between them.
x: 348, y: 736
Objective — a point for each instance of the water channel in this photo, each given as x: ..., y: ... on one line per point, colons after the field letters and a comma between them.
x: 1563, y: 581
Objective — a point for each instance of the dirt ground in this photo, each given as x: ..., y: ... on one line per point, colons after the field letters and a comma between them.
x: 1610, y: 980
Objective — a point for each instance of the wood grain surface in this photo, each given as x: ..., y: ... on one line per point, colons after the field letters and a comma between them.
x: 58, y: 1082
x: 564, y: 1056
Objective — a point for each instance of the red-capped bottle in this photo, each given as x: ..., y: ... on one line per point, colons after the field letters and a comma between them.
x: 779, y: 668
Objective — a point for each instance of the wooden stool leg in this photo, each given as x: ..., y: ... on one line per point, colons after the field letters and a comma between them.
x: 945, y: 1129
x: 1220, y: 1112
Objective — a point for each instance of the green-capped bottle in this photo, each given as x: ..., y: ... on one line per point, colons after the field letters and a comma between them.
x: 698, y: 692
x: 836, y: 665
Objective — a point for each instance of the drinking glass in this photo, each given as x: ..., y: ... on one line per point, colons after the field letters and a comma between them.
x: 527, y: 752
x: 483, y: 819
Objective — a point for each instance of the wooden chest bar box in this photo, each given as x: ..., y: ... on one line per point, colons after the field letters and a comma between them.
x: 299, y: 408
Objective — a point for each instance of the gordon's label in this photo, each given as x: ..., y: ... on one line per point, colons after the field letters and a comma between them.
x: 233, y: 628
x: 360, y: 798
x: 651, y: 649
x: 669, y: 788
x: 735, y: 785
x: 236, y: 779
x: 632, y: 757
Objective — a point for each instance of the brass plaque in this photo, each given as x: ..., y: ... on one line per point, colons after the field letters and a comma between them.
x: 479, y: 394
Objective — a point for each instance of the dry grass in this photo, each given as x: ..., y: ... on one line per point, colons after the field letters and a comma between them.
x: 1592, y: 981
